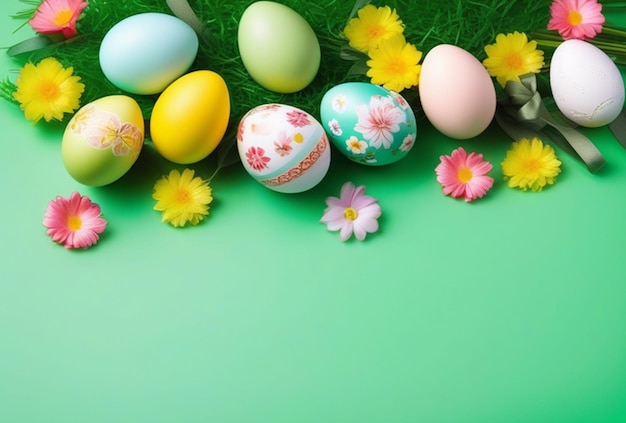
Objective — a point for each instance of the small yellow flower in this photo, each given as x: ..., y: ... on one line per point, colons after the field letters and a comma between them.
x: 394, y: 64
x: 372, y: 25
x: 47, y: 90
x: 182, y: 198
x: 530, y: 164
x: 511, y: 56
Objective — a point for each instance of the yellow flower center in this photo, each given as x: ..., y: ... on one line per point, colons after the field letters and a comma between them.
x: 183, y: 196
x: 375, y: 31
x: 574, y: 17
x: 63, y: 17
x: 532, y: 165
x: 396, y: 67
x: 74, y: 223
x: 49, y: 90
x: 464, y: 175
x: 350, y: 214
x: 515, y: 60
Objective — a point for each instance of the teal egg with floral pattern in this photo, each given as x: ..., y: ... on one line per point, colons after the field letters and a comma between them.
x: 368, y: 123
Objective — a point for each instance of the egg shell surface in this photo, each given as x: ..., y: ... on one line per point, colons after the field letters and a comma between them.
x: 190, y: 117
x: 284, y: 148
x: 586, y: 84
x: 368, y: 123
x: 278, y: 47
x: 144, y: 53
x: 103, y: 140
x: 456, y: 92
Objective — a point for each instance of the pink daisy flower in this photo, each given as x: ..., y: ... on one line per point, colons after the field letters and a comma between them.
x: 576, y: 19
x: 57, y: 17
x: 75, y: 222
x: 463, y: 175
x: 353, y: 212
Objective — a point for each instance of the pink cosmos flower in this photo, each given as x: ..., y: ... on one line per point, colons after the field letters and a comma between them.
x: 74, y: 222
x: 463, y: 175
x: 353, y: 212
x: 379, y: 121
x: 576, y: 19
x: 57, y: 17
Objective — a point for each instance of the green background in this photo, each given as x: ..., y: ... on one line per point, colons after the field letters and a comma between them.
x: 508, y: 309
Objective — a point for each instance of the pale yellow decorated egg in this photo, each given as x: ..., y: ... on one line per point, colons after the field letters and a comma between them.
x: 103, y: 140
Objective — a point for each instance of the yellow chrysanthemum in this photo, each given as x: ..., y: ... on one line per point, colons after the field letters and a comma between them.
x: 394, y: 64
x: 530, y: 164
x: 511, y: 56
x: 182, y: 198
x: 372, y: 25
x: 47, y: 90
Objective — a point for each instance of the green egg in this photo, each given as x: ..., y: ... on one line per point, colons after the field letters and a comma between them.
x: 278, y: 47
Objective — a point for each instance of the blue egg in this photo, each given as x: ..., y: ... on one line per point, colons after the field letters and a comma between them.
x: 144, y: 53
x: 368, y: 123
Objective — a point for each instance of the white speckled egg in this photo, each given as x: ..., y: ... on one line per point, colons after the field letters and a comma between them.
x: 368, y: 123
x: 456, y: 92
x: 284, y: 148
x: 144, y: 53
x: 103, y: 140
x: 586, y: 84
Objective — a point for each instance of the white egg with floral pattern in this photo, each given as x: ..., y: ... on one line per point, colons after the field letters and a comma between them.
x: 284, y: 148
x: 368, y: 123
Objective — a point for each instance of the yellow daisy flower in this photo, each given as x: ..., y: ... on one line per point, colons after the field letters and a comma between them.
x: 511, y: 56
x: 182, y: 198
x: 394, y: 64
x: 530, y: 164
x: 47, y: 90
x: 372, y: 25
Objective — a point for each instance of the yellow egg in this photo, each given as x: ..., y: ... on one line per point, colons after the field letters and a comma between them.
x: 190, y: 117
x: 103, y: 140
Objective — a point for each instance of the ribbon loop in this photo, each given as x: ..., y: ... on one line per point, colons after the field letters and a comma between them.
x: 525, y: 105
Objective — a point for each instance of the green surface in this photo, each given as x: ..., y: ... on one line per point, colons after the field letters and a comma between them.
x: 509, y: 309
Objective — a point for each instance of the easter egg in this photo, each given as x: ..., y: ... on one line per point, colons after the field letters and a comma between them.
x: 368, y: 123
x: 586, y: 84
x: 456, y: 92
x: 103, y: 140
x: 190, y: 117
x: 144, y: 53
x: 278, y: 47
x: 284, y: 148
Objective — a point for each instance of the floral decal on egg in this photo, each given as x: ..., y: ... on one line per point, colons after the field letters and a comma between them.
x: 298, y: 119
x: 335, y: 127
x: 379, y: 120
x: 340, y: 103
x: 356, y: 146
x: 256, y: 158
x: 102, y: 129
x: 283, y: 145
x: 407, y: 143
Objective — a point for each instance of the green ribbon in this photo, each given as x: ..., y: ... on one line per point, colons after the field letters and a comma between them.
x: 618, y: 127
x: 531, y: 118
x: 183, y: 11
x: 29, y: 45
